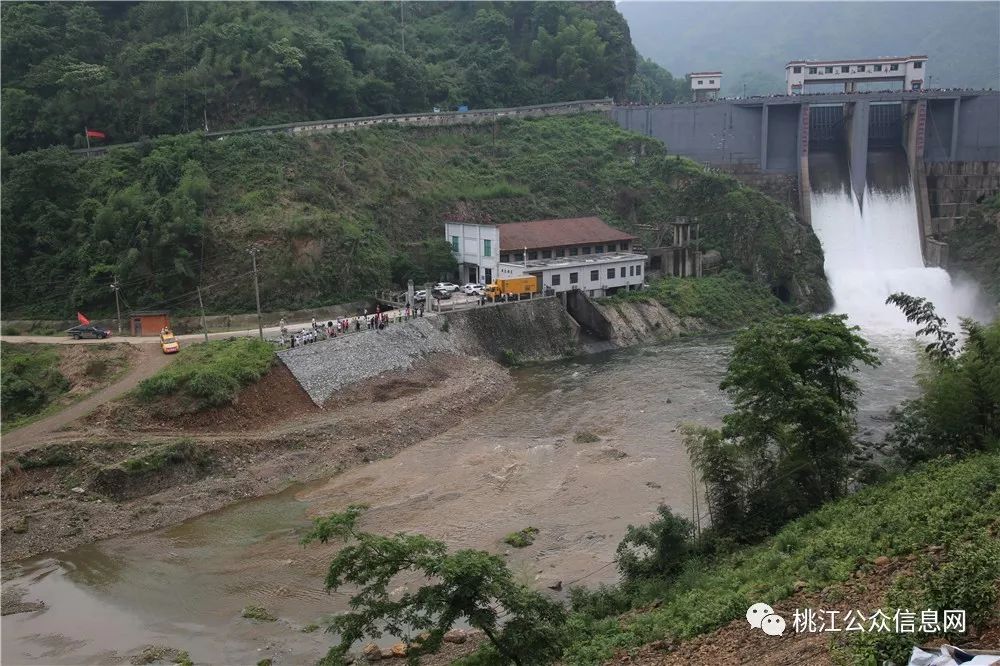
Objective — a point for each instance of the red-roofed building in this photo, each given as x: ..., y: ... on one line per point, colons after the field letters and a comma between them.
x: 574, y: 253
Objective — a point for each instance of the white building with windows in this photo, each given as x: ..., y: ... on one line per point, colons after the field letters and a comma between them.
x: 910, y: 71
x: 566, y: 254
x: 476, y: 248
x: 705, y: 86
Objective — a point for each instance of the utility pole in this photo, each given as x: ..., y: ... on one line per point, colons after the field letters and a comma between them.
x: 204, y: 326
x: 253, y: 250
x: 118, y: 308
x: 402, y: 27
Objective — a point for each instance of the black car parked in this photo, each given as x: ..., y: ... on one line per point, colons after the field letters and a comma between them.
x: 89, y: 331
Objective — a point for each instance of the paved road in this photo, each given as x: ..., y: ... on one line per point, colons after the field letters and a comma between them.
x: 148, y: 361
x: 457, y: 301
x: 149, y: 340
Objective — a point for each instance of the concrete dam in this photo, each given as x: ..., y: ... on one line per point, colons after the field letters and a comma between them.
x: 944, y: 144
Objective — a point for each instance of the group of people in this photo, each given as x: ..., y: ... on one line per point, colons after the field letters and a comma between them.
x: 375, y: 321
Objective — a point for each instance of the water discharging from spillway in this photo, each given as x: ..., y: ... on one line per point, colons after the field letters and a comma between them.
x: 873, y: 249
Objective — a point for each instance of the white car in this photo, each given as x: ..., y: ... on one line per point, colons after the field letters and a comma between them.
x: 472, y: 289
x: 446, y: 286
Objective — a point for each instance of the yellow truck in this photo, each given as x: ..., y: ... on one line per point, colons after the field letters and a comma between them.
x: 516, y: 288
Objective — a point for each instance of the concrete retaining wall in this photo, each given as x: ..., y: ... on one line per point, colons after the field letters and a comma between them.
x: 586, y: 313
x: 535, y: 330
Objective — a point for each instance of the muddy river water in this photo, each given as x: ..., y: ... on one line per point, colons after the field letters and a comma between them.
x: 513, y: 466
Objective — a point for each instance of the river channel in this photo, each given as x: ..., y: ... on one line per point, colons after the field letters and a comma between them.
x: 510, y: 467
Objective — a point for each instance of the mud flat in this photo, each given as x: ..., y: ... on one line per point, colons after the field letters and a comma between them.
x: 111, y: 481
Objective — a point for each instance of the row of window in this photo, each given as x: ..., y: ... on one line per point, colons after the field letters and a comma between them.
x: 545, y: 254
x: 563, y: 252
x: 846, y: 69
x: 487, y: 246
x: 702, y: 82
x: 595, y: 275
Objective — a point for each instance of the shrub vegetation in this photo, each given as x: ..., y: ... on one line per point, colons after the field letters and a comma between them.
x: 31, y: 381
x: 953, y: 505
x: 727, y: 301
x: 521, y: 538
x: 210, y: 374
x: 958, y: 410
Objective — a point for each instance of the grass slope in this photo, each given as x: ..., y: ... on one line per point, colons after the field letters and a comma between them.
x: 40, y: 379
x: 727, y: 301
x: 955, y: 505
x: 31, y: 381
x: 209, y: 374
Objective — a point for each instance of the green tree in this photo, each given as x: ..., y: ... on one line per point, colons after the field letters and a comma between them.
x: 958, y: 411
x: 784, y: 448
x: 656, y: 549
x: 794, y: 397
x: 920, y: 311
x: 722, y: 472
x: 437, y: 260
x: 654, y: 85
x: 521, y: 625
x: 147, y: 69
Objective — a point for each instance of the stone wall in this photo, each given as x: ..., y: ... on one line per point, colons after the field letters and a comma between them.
x: 322, y: 368
x: 535, y: 330
x: 783, y: 187
x: 955, y: 187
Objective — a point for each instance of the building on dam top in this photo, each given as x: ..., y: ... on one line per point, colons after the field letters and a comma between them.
x: 705, y: 86
x: 577, y: 253
x: 910, y: 71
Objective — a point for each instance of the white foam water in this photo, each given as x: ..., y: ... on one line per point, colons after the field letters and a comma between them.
x: 874, y: 252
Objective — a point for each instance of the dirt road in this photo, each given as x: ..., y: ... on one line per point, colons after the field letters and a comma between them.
x: 148, y: 360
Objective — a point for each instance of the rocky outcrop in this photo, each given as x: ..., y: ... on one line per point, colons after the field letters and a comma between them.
x: 644, y: 321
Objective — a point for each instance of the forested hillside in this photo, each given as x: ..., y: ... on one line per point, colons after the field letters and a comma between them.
x: 339, y: 215
x: 134, y: 69
x: 699, y: 36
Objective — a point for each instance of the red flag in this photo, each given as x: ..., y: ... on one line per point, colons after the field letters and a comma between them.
x: 83, y: 320
x: 95, y: 134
